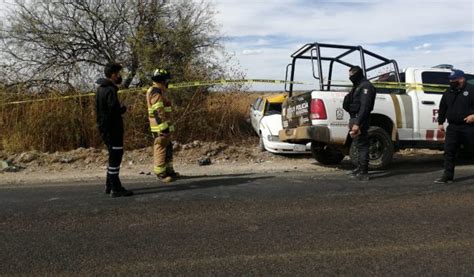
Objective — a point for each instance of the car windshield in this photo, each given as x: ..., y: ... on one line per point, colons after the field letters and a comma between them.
x: 273, y: 108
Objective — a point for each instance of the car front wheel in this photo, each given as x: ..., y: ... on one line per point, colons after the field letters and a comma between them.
x: 261, y: 144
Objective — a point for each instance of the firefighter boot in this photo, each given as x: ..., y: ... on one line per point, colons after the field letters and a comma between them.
x: 173, y: 174
x: 165, y: 178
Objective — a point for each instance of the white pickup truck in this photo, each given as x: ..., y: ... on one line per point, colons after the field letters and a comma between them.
x: 404, y: 116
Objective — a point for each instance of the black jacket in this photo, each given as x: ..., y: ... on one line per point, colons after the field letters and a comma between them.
x: 108, y: 109
x: 359, y: 102
x: 456, y: 104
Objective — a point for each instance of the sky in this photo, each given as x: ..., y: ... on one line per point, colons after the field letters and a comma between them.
x: 263, y: 34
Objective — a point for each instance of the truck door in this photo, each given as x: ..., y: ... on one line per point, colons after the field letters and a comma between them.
x: 428, y: 103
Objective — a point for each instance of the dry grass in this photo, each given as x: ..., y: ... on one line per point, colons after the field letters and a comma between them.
x: 59, y: 125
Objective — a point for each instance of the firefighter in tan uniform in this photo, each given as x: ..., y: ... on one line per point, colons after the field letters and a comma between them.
x: 159, y: 114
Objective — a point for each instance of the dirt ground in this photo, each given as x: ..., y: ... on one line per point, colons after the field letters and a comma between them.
x: 86, y: 165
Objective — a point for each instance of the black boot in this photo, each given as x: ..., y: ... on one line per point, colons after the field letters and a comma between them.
x: 353, y: 173
x: 445, y: 179
x: 117, y: 189
x: 108, y: 185
x: 121, y: 192
x: 363, y: 176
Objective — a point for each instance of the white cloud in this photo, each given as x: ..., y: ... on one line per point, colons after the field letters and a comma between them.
x: 377, y: 21
x: 262, y: 42
x: 252, y: 52
x: 280, y: 27
x: 423, y: 46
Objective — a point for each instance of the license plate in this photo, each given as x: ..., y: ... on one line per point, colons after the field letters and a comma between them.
x: 299, y: 148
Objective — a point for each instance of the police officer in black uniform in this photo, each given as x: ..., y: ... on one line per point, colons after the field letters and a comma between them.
x: 457, y: 106
x: 109, y: 120
x: 359, y: 102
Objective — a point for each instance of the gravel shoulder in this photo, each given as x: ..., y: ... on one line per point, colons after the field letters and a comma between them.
x: 88, y: 165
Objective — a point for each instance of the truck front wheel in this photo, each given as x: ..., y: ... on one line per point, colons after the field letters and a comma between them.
x: 326, y: 154
x: 380, y: 149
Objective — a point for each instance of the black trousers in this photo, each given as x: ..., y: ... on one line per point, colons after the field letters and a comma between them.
x: 362, y: 145
x: 455, y: 136
x: 114, y: 143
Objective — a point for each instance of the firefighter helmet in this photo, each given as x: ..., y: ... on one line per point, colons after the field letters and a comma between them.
x: 160, y: 75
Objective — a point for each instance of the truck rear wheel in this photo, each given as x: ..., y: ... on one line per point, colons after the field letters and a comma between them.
x: 380, y: 149
x: 326, y: 154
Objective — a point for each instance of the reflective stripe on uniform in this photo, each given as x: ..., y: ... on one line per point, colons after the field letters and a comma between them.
x: 157, y: 105
x: 160, y: 127
x: 168, y: 109
x: 163, y: 126
x: 171, y: 128
x: 117, y: 148
x: 159, y: 169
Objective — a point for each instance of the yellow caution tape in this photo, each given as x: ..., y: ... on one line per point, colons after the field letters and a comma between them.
x: 47, y: 99
x: 171, y: 86
x: 64, y: 97
x: 411, y: 84
x: 414, y: 86
x: 387, y: 85
x: 228, y: 82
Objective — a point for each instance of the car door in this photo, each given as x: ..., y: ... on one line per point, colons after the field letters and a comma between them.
x: 260, y: 112
x: 253, y: 113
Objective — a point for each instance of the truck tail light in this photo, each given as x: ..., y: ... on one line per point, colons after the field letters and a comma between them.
x: 318, y: 110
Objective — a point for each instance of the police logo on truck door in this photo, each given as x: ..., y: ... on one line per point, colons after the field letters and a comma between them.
x: 339, y: 114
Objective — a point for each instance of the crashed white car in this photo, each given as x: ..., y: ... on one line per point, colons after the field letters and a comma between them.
x: 265, y: 116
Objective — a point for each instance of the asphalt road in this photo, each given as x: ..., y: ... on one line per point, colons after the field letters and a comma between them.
x: 291, y: 224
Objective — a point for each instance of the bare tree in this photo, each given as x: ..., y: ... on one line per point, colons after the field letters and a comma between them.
x: 65, y: 43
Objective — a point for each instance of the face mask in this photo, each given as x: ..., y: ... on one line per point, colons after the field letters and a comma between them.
x: 357, y: 77
x: 119, y: 80
x: 454, y: 85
